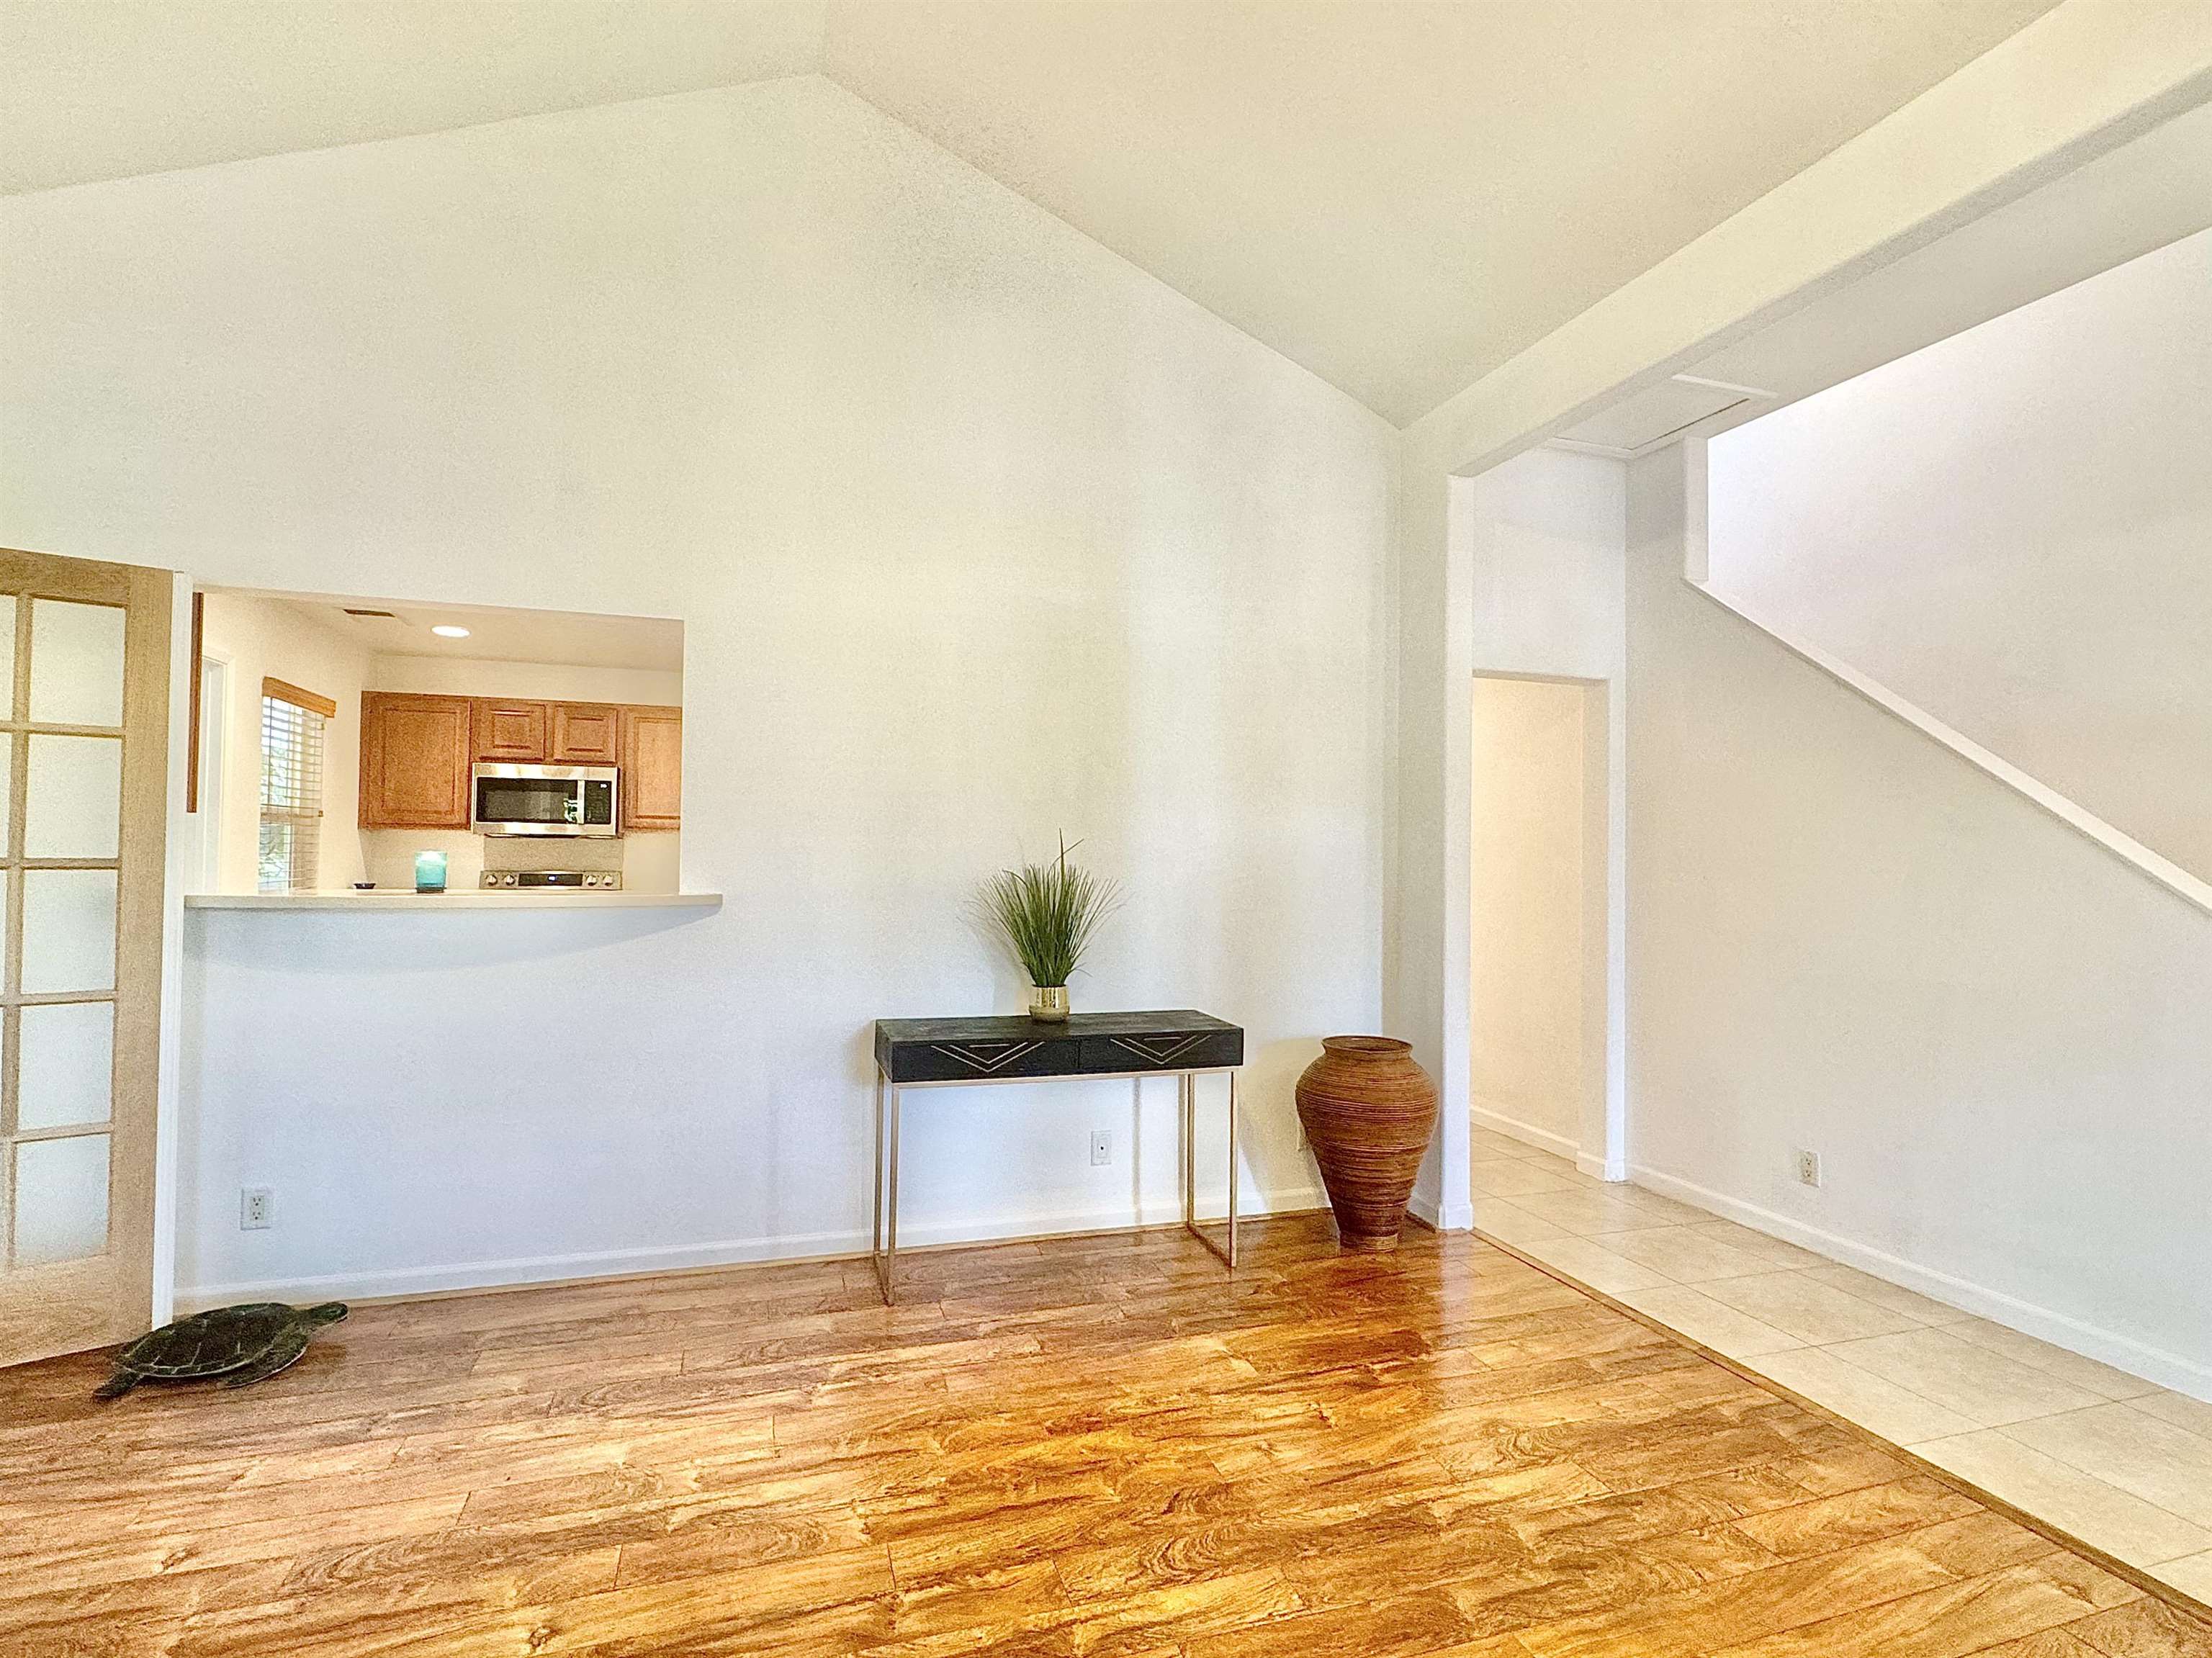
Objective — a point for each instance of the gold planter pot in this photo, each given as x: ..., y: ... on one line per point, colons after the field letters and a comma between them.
x: 1048, y: 1003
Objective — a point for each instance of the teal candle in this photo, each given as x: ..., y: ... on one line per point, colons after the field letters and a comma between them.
x: 429, y: 872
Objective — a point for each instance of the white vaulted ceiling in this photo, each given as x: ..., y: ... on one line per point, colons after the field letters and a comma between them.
x: 108, y: 89
x: 1400, y: 197
x: 1397, y: 194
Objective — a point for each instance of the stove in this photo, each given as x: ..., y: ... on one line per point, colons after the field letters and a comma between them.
x: 540, y: 880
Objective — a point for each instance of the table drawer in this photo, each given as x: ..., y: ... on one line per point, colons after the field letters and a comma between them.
x: 983, y: 1061
x: 1201, y: 1050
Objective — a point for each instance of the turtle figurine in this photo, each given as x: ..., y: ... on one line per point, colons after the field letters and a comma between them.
x: 241, y: 1344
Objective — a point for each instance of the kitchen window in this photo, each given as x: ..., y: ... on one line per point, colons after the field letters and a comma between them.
x: 291, y: 785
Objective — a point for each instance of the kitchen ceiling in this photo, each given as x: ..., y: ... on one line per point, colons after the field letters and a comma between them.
x: 1398, y: 194
x: 499, y: 634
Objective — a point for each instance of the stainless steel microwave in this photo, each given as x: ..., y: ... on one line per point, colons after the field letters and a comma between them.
x: 571, y: 800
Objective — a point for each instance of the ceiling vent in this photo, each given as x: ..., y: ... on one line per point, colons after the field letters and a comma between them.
x: 1641, y: 422
x: 381, y: 616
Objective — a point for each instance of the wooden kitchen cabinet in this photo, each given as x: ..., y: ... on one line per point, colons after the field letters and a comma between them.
x: 585, y: 734
x: 415, y: 761
x: 507, y: 729
x: 416, y: 752
x: 653, y: 768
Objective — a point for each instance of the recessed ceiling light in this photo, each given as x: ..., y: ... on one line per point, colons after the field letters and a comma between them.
x: 447, y: 630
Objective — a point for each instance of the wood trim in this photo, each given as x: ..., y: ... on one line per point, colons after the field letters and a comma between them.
x: 192, y: 695
x: 300, y: 699
x: 42, y: 575
x: 11, y: 926
x: 140, y: 902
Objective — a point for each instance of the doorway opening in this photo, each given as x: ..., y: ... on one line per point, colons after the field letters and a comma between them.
x: 1538, y: 899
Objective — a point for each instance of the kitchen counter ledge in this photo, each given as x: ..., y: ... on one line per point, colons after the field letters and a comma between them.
x: 468, y: 898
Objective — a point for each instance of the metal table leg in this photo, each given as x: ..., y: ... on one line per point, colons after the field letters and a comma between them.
x: 883, y: 1244
x: 876, y: 1231
x: 1189, y: 1103
x: 1232, y: 1260
x: 1185, y: 1090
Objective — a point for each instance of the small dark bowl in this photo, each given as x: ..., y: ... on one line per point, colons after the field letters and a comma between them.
x: 364, y: 886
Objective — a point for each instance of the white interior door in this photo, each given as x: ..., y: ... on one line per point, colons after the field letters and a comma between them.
x: 85, y: 653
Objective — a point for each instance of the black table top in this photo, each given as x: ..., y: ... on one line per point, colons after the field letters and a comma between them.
x: 1085, y: 1044
x: 1019, y: 1027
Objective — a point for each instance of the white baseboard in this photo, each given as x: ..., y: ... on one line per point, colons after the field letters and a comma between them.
x: 1543, y: 1139
x: 1599, y: 1169
x: 2184, y: 1376
x: 376, y: 1284
x: 1458, y: 1217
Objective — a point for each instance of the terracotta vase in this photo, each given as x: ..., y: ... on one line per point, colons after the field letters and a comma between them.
x: 1368, y: 1110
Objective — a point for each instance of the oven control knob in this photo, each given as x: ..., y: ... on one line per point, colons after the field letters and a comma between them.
x: 507, y: 880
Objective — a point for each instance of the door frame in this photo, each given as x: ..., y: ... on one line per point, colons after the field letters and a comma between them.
x: 112, y: 1295
x: 167, y: 1130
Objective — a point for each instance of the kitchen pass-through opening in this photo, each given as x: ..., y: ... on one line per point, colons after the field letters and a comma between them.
x: 370, y: 744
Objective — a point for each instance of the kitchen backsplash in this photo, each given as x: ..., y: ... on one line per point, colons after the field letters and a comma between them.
x: 648, y: 862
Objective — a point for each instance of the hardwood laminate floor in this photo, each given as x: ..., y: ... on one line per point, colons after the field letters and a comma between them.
x: 1096, y: 1446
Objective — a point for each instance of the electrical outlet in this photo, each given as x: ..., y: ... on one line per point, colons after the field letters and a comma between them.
x: 1101, y: 1147
x: 257, y: 1209
x: 1808, y: 1168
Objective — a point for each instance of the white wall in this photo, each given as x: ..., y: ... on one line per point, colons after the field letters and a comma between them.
x: 650, y: 860
x: 1526, y: 935
x: 1548, y: 529
x: 266, y: 637
x: 977, y: 533
x: 2074, y: 85
x: 2009, y: 530
x: 1846, y: 938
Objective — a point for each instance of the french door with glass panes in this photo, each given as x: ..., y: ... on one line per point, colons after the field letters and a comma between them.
x: 84, y: 656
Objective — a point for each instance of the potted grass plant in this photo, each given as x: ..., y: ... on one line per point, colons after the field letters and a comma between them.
x: 1046, y: 913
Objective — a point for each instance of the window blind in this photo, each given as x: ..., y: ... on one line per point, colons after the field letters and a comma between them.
x: 291, y: 794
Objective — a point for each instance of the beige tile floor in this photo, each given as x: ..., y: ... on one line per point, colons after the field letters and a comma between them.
x: 2119, y: 1462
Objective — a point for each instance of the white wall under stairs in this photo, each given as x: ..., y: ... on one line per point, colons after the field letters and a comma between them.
x: 1845, y: 937
x: 2009, y: 530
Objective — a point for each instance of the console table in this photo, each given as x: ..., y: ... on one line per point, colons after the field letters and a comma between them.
x: 963, y: 1053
